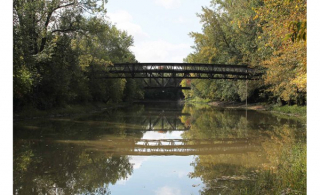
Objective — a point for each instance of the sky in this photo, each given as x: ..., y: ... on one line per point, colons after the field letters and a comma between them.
x: 160, y: 27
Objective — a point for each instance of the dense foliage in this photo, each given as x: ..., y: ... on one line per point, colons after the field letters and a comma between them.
x: 59, y: 46
x: 270, y: 35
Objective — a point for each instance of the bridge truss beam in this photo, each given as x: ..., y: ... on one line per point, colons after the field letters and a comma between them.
x: 170, y: 75
x: 181, y: 71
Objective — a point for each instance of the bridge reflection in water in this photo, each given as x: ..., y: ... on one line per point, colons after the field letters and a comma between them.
x: 177, y: 147
x: 159, y: 122
x: 164, y: 121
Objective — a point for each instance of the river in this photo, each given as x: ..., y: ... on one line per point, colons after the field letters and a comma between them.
x: 151, y: 148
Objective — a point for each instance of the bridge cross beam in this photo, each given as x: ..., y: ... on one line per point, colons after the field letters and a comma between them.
x: 181, y: 70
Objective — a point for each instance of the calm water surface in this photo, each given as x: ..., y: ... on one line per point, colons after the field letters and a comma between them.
x: 165, y: 148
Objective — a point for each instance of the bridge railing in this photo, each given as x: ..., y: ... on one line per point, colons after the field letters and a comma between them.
x: 182, y: 70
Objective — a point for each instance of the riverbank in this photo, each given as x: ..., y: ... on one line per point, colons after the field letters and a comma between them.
x: 223, y: 104
x: 294, y: 110
x: 70, y: 110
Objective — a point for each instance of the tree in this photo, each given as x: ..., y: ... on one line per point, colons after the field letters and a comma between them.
x: 282, y: 48
x: 61, y: 48
x: 249, y: 32
x: 37, y: 24
x: 229, y: 37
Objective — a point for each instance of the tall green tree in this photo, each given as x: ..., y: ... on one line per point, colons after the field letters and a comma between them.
x: 270, y: 35
x: 228, y: 37
x: 37, y: 24
x: 282, y: 48
x: 61, y: 48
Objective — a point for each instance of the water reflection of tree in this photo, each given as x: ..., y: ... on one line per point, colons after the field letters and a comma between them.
x: 119, y: 122
x: 208, y: 122
x: 211, y: 123
x: 237, y: 173
x: 41, y: 168
x: 42, y: 165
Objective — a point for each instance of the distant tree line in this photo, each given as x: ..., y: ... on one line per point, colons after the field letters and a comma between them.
x: 270, y: 35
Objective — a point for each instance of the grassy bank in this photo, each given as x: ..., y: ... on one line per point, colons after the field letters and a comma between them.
x: 294, y: 110
x: 288, y: 110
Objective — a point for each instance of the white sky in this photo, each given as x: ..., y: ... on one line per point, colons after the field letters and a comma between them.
x: 160, y: 27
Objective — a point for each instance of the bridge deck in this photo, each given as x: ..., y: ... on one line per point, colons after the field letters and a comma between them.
x: 182, y: 70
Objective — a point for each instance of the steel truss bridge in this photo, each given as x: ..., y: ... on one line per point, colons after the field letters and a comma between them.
x: 177, y: 147
x: 169, y: 75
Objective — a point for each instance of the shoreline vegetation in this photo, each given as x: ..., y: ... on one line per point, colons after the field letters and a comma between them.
x: 288, y: 177
x: 294, y: 110
x: 291, y: 110
x: 30, y: 112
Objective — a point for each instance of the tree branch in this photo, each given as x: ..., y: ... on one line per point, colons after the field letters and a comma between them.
x: 64, y: 30
x: 44, y: 39
x: 62, y: 6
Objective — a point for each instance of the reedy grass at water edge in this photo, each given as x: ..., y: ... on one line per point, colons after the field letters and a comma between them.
x: 288, y: 178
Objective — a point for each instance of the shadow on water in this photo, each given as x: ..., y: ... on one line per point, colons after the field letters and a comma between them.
x: 87, y: 154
